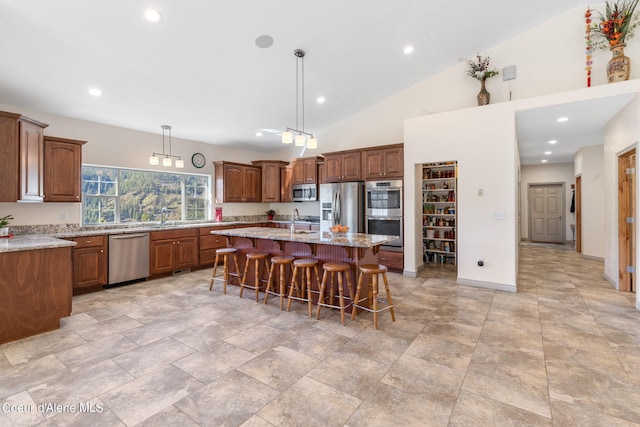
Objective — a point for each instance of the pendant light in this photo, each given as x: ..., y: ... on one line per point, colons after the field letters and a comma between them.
x: 167, y: 161
x: 300, y: 138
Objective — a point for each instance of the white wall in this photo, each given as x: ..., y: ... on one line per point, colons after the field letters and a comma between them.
x: 590, y: 166
x: 621, y: 134
x: 544, y: 174
x: 115, y: 146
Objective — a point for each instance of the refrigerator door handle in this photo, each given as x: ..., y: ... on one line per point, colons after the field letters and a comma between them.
x: 338, y: 208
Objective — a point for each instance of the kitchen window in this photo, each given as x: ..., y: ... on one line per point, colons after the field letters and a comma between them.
x: 118, y: 195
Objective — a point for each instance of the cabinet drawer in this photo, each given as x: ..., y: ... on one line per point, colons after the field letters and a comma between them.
x: 392, y: 260
x: 89, y: 241
x: 212, y: 242
x: 173, y: 234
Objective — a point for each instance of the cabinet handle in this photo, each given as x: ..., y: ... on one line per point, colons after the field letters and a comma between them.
x: 178, y: 242
x: 101, y: 251
x: 174, y: 243
x: 88, y: 241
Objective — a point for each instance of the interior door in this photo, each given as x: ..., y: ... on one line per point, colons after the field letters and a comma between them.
x: 546, y: 203
x: 578, y: 214
x: 626, y: 221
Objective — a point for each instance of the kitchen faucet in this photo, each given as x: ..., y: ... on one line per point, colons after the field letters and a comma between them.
x: 164, y: 213
x: 294, y: 215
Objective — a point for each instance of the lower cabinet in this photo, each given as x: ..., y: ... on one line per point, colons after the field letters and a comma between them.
x: 89, y: 258
x: 394, y: 261
x: 209, y: 243
x: 173, y: 250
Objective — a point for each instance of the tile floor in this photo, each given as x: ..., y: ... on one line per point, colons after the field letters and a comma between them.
x: 564, y: 350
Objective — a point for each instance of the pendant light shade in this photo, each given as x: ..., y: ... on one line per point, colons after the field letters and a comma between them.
x: 301, y: 136
x: 167, y: 161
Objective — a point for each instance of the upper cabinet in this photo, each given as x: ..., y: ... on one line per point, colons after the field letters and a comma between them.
x: 236, y: 183
x: 383, y: 162
x: 343, y: 166
x: 271, y: 185
x: 62, y: 169
x: 286, y: 194
x: 305, y: 170
x: 21, y: 158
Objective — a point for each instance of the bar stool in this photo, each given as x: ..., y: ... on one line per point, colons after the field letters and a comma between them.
x: 330, y: 270
x: 281, y: 261
x: 306, y: 265
x: 373, y: 270
x: 225, y: 252
x: 256, y: 257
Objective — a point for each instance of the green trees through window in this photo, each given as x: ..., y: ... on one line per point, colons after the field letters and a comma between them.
x: 114, y: 195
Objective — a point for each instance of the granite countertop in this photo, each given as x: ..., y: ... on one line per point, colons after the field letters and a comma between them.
x: 32, y: 242
x: 353, y: 240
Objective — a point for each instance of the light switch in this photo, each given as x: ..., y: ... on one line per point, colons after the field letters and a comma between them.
x: 498, y: 215
x: 509, y: 73
x: 480, y: 192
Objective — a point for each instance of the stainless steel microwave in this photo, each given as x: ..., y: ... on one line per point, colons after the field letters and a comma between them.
x: 304, y: 192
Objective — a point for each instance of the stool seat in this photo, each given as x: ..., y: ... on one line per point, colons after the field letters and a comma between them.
x: 373, y: 270
x: 225, y: 253
x: 306, y: 265
x: 256, y: 257
x: 330, y: 270
x: 282, y: 261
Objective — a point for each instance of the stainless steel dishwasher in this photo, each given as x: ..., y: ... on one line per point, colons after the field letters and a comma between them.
x: 128, y: 258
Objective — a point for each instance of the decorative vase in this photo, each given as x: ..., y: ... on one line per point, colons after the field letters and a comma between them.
x: 270, y: 217
x: 484, y: 96
x: 619, y: 67
x: 4, y: 231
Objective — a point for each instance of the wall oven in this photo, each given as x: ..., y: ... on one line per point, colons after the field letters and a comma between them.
x: 384, y: 198
x: 391, y: 226
x: 304, y: 192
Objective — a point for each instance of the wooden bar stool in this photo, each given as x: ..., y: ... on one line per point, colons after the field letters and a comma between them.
x: 373, y: 270
x: 225, y: 252
x: 330, y: 270
x: 281, y: 261
x: 256, y: 257
x: 306, y: 265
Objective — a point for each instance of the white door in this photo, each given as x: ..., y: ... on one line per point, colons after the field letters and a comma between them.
x: 547, y: 209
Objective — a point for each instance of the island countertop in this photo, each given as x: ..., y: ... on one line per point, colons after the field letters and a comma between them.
x: 352, y: 240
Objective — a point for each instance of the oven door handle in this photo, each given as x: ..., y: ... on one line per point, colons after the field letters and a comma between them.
x: 386, y: 218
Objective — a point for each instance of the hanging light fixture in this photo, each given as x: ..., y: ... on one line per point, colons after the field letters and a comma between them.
x: 166, y: 158
x: 301, y: 136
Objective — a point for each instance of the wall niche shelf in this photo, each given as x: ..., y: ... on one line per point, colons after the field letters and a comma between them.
x: 439, y: 212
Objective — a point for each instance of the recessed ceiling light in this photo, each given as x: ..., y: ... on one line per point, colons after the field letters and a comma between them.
x: 543, y: 161
x: 264, y: 41
x: 94, y: 91
x: 320, y: 100
x: 152, y: 15
x: 258, y: 133
x: 553, y: 141
x: 562, y: 119
x: 547, y: 152
x: 408, y: 49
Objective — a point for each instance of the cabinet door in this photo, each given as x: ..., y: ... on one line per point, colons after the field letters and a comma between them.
x: 233, y: 183
x: 162, y: 256
x: 310, y: 170
x: 31, y: 154
x: 62, y: 169
x: 394, y: 162
x: 89, y: 267
x: 9, y: 165
x: 270, y: 182
x: 186, y: 252
x: 285, y: 185
x: 351, y: 167
x: 373, y: 164
x: 333, y: 167
x: 297, y: 176
x: 252, y: 184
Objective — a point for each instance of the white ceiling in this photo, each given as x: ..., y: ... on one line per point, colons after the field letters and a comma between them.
x: 200, y: 71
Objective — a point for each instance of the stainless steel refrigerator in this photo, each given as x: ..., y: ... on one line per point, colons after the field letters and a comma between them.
x: 342, y: 203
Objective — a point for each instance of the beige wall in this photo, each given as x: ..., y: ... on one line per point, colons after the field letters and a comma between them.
x: 589, y: 164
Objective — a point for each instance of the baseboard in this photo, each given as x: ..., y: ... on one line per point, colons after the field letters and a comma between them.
x: 593, y: 258
x: 413, y: 274
x: 610, y: 280
x: 487, y: 285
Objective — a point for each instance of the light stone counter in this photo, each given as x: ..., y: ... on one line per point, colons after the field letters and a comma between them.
x: 30, y: 243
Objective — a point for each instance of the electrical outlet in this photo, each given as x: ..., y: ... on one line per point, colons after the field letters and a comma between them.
x: 498, y: 215
x: 480, y: 192
x: 63, y: 216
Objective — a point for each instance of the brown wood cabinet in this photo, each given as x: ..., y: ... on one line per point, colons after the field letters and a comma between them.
x: 62, y: 169
x: 305, y: 170
x: 237, y: 183
x: 383, y: 162
x: 394, y: 261
x: 21, y: 162
x: 271, y: 170
x: 209, y: 243
x: 172, y: 250
x: 89, y: 259
x: 286, y: 195
x: 35, y: 291
x: 343, y: 166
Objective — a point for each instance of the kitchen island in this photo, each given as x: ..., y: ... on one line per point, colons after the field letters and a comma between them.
x: 354, y: 249
x: 35, y: 285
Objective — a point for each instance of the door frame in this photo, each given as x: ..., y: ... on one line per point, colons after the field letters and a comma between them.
x: 578, y: 212
x: 563, y: 224
x: 627, y: 202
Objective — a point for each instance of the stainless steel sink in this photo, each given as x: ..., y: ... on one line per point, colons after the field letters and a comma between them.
x: 305, y: 231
